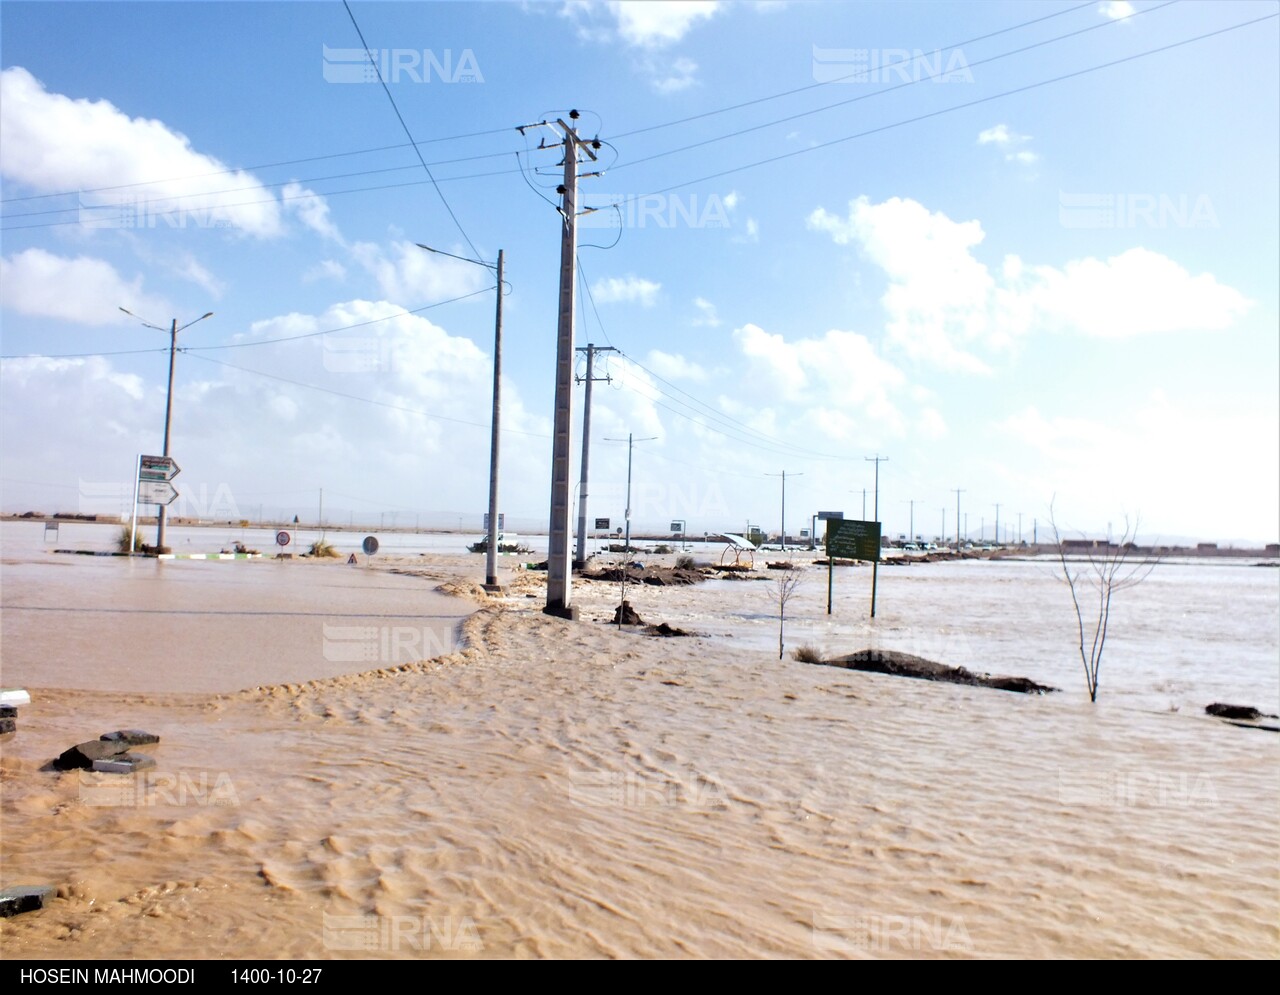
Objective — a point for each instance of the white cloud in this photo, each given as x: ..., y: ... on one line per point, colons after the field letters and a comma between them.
x: 326, y: 269
x: 84, y: 290
x: 311, y: 208
x: 1138, y: 292
x: 941, y: 301
x: 1116, y: 9
x: 650, y: 25
x: 840, y: 371
x: 629, y: 289
x: 670, y: 77
x: 1009, y: 141
x: 53, y: 143
x: 730, y: 200
x: 414, y: 276
x: 190, y: 268
x: 937, y: 295
x: 998, y: 135
x: 672, y: 367
x: 405, y: 364
x: 707, y: 316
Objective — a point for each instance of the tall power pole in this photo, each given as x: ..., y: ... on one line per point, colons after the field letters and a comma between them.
x: 559, y: 576
x: 580, y: 559
x: 783, y: 475
x: 875, y: 564
x: 958, y: 493
x: 997, y: 525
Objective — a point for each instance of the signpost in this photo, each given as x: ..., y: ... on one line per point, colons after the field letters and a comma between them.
x: 153, y: 485
x: 156, y: 492
x: 370, y: 544
x: 502, y: 521
x: 283, y: 538
x: 851, y: 540
x: 602, y: 525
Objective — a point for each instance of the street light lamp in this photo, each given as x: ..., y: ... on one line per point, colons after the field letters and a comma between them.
x: 168, y: 403
x: 631, y: 441
x: 491, y: 552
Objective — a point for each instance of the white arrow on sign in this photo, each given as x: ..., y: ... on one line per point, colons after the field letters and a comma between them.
x: 158, y: 468
x: 156, y: 492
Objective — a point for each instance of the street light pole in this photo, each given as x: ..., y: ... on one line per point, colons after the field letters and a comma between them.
x: 491, y: 552
x: 783, y: 475
x: 168, y: 404
x: 631, y: 441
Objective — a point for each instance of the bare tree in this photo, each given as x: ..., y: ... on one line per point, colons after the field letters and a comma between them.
x: 785, y: 586
x: 1108, y: 569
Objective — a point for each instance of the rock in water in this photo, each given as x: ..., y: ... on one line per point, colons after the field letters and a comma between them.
x: 82, y: 757
x: 624, y: 614
x: 1235, y: 711
x: 134, y: 737
x: 23, y: 898
x: 126, y: 763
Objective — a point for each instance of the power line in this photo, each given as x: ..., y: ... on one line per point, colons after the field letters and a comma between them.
x: 876, y: 93
x: 475, y: 253
x: 364, y: 400
x: 260, y: 186
x: 967, y: 104
x: 841, y: 79
x: 283, y: 199
x: 262, y: 165
x: 504, y: 130
x: 342, y: 328
x: 259, y: 342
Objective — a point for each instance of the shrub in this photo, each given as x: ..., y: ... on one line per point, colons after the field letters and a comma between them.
x: 807, y: 654
x: 122, y: 541
x: 685, y: 562
x: 322, y: 548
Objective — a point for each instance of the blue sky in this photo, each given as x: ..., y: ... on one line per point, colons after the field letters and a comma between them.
x: 1005, y: 282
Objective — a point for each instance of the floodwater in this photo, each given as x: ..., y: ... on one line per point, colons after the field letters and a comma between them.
x: 137, y: 624
x: 564, y: 789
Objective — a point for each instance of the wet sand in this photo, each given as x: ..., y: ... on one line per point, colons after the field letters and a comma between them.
x: 556, y: 789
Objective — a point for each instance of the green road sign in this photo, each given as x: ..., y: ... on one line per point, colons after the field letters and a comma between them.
x: 850, y: 540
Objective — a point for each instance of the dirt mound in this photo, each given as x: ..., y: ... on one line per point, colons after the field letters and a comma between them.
x: 906, y: 665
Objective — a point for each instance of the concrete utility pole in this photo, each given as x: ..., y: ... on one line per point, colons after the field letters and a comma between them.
x: 958, y: 493
x: 783, y: 475
x: 580, y: 560
x: 491, y: 552
x: 559, y: 576
x: 997, y: 525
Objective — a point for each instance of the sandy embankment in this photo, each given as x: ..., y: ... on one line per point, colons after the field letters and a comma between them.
x: 559, y: 789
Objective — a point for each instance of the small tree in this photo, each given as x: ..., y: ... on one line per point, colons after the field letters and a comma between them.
x: 1108, y: 569
x: 785, y: 586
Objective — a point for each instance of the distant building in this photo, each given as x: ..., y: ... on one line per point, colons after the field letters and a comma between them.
x: 1206, y: 547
